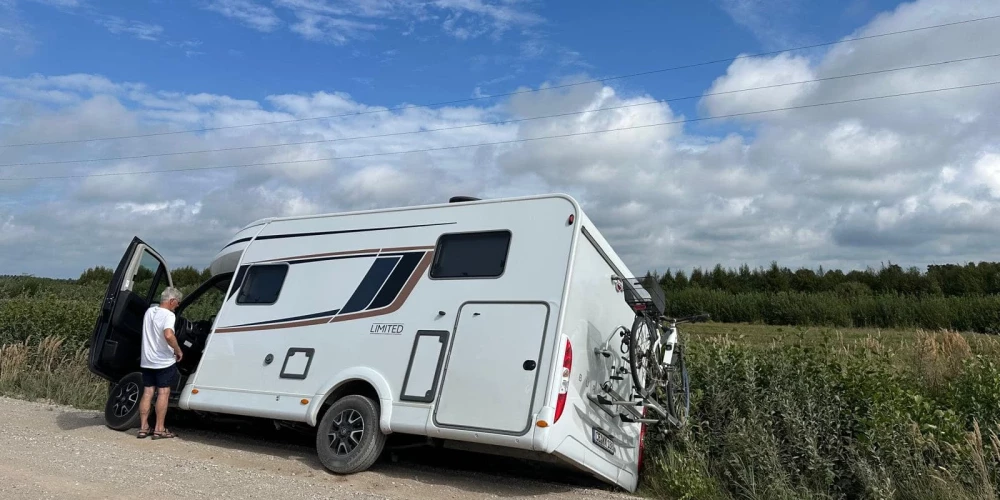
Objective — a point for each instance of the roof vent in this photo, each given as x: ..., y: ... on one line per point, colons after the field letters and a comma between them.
x: 459, y: 199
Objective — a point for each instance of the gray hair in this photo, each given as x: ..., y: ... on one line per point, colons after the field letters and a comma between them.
x: 170, y: 293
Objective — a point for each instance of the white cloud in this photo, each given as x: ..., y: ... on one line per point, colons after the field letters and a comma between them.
x: 725, y: 96
x: 138, y: 29
x: 340, y: 21
x: 915, y: 180
x: 321, y: 28
x: 15, y: 33
x: 248, y: 12
x: 770, y: 21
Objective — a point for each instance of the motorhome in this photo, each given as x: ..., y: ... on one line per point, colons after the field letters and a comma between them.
x: 492, y: 323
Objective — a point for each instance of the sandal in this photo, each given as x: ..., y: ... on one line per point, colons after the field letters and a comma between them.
x: 163, y: 435
x: 143, y: 433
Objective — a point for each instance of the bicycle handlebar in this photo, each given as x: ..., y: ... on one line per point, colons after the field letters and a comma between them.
x: 688, y: 319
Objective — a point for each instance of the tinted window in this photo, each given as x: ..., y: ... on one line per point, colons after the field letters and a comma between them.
x: 471, y: 255
x: 145, y: 277
x: 262, y: 284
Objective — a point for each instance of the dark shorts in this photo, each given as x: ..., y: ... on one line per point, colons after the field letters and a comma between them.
x: 160, y: 377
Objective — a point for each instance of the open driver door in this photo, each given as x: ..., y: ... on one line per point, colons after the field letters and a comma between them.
x: 116, y: 343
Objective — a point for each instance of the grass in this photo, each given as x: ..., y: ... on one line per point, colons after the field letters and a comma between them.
x: 783, y: 412
x: 51, y: 371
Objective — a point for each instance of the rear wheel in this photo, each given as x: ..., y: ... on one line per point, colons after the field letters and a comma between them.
x: 121, y: 411
x: 643, y: 360
x: 678, y: 389
x: 348, y: 438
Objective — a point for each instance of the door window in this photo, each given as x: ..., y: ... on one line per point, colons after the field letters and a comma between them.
x: 150, y: 278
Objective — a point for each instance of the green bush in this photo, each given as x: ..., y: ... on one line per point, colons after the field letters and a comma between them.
x: 37, y: 318
x: 817, y: 420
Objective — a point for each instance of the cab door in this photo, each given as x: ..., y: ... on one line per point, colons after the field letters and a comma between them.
x: 138, y: 281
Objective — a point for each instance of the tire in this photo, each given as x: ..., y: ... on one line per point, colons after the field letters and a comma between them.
x: 339, y: 448
x: 640, y: 343
x: 121, y: 411
x: 678, y: 388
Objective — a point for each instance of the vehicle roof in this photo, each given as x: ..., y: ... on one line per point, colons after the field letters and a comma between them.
x: 512, y: 199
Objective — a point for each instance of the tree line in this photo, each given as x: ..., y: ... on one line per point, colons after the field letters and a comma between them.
x: 944, y: 280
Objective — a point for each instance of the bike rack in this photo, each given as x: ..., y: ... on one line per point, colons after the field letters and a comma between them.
x: 642, y: 300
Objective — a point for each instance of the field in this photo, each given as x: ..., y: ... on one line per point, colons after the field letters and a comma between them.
x: 777, y: 411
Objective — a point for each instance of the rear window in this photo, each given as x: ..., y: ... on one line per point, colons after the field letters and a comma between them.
x: 262, y: 284
x: 471, y: 255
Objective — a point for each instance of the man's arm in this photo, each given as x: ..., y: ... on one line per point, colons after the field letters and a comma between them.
x: 168, y: 334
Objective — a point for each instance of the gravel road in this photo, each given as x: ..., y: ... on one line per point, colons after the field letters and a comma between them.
x: 51, y: 451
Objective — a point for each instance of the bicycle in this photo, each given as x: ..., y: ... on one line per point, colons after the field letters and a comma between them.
x: 656, y: 359
x: 656, y: 354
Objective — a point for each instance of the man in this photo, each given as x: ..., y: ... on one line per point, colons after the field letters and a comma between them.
x: 160, y: 355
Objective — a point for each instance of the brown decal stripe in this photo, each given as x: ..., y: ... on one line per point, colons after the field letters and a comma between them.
x: 316, y: 255
x: 406, y: 249
x: 403, y: 294
x: 400, y: 299
x: 368, y: 251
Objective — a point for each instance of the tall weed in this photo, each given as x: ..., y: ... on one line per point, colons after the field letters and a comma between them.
x: 826, y: 418
x: 49, y: 370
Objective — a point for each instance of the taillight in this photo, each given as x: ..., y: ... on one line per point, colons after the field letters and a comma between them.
x: 564, y: 381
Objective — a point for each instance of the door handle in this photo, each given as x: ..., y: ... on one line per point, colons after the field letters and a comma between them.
x: 529, y: 365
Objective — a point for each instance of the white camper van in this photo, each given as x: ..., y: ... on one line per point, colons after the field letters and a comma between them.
x: 496, y: 323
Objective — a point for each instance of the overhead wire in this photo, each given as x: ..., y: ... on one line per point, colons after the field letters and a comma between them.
x: 500, y: 122
x: 517, y: 92
x: 497, y: 143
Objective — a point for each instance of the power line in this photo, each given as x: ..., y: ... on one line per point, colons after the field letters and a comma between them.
x: 507, y: 94
x: 501, y: 122
x: 497, y: 143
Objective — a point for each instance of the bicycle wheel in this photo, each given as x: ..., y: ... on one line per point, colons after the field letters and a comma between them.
x: 643, y: 362
x: 678, y: 388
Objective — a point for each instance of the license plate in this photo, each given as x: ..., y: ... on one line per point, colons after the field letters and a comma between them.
x: 604, y: 441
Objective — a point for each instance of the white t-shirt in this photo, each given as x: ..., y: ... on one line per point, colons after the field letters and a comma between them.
x: 156, y: 352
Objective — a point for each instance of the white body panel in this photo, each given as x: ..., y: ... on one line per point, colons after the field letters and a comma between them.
x: 447, y: 357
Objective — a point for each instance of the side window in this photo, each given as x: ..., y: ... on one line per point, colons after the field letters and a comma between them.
x: 262, y: 284
x: 471, y: 255
x: 150, y: 278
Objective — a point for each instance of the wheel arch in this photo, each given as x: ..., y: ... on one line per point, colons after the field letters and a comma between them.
x: 361, y: 381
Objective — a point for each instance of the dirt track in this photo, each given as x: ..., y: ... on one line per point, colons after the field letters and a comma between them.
x: 50, y: 451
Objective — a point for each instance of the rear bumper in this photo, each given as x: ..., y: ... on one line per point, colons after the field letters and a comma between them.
x: 572, y: 451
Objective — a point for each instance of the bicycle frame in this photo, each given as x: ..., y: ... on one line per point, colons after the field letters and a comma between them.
x: 672, y: 334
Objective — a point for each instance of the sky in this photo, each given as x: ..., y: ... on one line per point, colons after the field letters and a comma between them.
x: 665, y: 135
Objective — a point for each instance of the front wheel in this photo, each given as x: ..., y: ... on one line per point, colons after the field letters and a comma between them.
x: 121, y: 411
x: 348, y: 438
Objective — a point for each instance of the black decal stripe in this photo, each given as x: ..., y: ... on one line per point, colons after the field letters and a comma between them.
x: 293, y: 318
x: 370, y: 285
x: 396, y: 280
x: 342, y: 231
x: 236, y: 242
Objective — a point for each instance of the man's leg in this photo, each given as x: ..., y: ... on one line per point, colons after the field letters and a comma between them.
x: 165, y: 380
x: 162, y: 395
x: 146, y: 401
